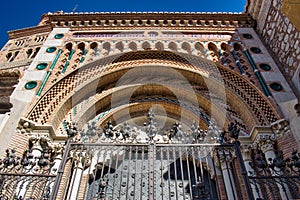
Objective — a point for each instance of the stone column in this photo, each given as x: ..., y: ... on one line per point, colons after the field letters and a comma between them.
x: 57, y: 160
x: 224, y: 158
x: 246, y: 152
x: 76, y: 178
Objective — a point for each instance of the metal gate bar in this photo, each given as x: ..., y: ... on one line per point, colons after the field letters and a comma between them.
x: 146, y: 171
x: 139, y: 171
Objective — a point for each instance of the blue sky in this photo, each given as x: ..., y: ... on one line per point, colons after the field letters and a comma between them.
x: 20, y: 14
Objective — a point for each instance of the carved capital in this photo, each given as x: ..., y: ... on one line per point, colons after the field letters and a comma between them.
x: 246, y: 151
x: 266, y: 142
x: 223, y: 157
x: 59, y: 149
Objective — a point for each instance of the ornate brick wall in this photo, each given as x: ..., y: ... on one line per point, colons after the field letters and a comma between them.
x: 282, y: 36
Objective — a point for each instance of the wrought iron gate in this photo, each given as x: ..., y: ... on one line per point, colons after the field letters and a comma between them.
x: 26, y: 177
x: 147, y: 171
x: 153, y: 171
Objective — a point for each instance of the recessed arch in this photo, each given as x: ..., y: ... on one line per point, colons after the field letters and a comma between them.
x: 144, y: 103
x: 200, y: 48
x: 119, y: 116
x: 94, y: 46
x: 120, y: 46
x: 187, y: 47
x: 132, y: 46
x: 106, y: 46
x: 9, y: 56
x: 29, y: 53
x: 81, y: 46
x: 213, y: 49
x: 146, y: 46
x: 35, y: 52
x: 225, y: 47
x: 69, y: 46
x: 143, y: 90
x: 237, y: 47
x: 172, y: 46
x: 159, y: 46
x: 88, y: 86
x: 16, y: 53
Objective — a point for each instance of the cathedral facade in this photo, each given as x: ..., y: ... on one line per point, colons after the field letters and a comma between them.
x: 152, y: 105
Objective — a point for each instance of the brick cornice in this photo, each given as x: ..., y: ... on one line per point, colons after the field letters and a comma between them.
x: 29, y: 31
x: 49, y: 21
x: 146, y: 15
x: 154, y: 19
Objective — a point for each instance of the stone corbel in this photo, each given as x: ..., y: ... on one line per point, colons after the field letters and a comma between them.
x: 25, y: 127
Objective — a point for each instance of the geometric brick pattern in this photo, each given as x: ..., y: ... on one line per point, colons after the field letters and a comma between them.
x: 253, y: 97
x: 46, y: 105
x: 42, y: 110
x: 256, y: 101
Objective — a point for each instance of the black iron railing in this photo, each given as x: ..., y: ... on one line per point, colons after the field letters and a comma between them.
x: 126, y: 163
x: 152, y: 171
x: 275, y: 178
x: 26, y: 177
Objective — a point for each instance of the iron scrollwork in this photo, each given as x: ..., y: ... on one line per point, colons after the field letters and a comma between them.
x: 150, y: 134
x: 274, y: 173
x: 28, y: 162
x: 26, y: 174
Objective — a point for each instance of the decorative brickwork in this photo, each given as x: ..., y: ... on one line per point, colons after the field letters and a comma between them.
x: 281, y: 35
x: 148, y: 19
x: 47, y: 104
x: 20, y: 52
x: 85, y: 89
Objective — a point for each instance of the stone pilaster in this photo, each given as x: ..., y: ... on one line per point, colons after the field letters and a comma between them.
x: 76, y: 177
x: 246, y: 152
x: 267, y: 143
x: 224, y: 159
x: 8, y: 78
